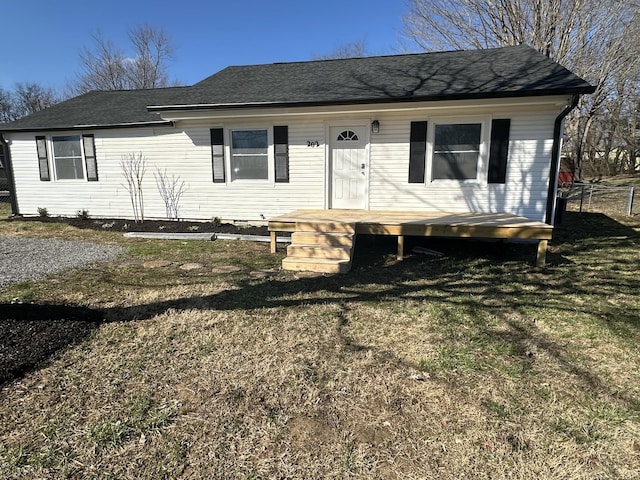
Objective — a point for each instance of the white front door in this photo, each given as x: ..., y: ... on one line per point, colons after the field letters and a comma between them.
x: 348, y: 167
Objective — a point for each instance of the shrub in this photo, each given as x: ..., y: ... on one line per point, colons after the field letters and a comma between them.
x: 43, y: 212
x: 82, y: 214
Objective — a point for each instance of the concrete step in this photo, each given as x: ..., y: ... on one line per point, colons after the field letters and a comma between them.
x: 313, y: 238
x: 329, y: 227
x: 319, y: 251
x: 321, y: 265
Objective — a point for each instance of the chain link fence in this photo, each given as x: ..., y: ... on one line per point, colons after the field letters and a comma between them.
x: 589, y: 197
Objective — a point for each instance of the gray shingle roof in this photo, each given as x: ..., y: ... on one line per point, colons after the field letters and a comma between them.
x: 509, y: 71
x: 493, y: 73
x: 98, y: 108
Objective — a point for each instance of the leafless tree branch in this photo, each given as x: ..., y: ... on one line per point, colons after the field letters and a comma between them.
x: 171, y: 189
x: 133, y: 167
x: 107, y: 67
x: 596, y: 39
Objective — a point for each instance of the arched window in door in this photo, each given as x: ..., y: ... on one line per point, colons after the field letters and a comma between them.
x: 348, y: 135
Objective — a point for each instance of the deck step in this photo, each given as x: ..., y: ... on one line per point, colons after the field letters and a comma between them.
x: 314, y: 238
x: 319, y: 251
x: 320, y: 265
x: 324, y: 247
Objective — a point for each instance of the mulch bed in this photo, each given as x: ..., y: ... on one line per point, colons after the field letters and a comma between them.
x: 31, y: 333
x: 170, y: 226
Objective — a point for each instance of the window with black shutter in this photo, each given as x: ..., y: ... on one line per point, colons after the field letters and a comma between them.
x: 417, y: 152
x: 217, y: 155
x: 281, y: 150
x: 43, y: 159
x: 499, y: 150
x: 90, y: 157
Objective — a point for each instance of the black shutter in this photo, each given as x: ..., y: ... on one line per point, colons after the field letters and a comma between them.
x: 499, y: 150
x: 417, y: 151
x: 90, y: 157
x: 217, y: 155
x: 281, y: 147
x: 43, y: 159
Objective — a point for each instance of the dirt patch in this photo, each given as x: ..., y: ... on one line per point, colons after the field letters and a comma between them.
x: 226, y: 269
x: 157, y: 263
x: 169, y: 226
x: 31, y: 333
x: 191, y: 266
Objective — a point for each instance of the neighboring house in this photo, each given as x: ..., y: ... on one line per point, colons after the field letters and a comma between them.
x: 463, y: 131
x: 565, y: 174
x: 4, y: 185
x: 3, y: 174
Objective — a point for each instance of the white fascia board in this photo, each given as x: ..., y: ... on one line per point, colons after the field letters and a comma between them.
x: 557, y: 102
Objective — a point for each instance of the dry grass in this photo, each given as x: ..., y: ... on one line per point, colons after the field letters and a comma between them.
x: 609, y: 196
x: 476, y: 365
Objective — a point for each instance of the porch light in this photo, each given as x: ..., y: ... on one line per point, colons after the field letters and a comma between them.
x: 375, y: 126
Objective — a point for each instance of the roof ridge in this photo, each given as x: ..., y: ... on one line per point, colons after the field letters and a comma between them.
x: 127, y: 90
x: 369, y: 57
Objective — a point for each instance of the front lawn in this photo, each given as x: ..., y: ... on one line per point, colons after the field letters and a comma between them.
x: 207, y: 361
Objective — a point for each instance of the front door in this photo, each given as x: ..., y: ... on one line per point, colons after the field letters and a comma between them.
x: 348, y: 167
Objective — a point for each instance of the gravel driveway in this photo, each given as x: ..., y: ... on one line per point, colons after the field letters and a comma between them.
x: 24, y: 259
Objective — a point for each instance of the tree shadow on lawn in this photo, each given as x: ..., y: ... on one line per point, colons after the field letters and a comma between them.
x: 483, y: 279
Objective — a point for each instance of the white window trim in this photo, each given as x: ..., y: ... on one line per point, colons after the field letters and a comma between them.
x: 270, y: 180
x: 483, y: 157
x: 52, y: 158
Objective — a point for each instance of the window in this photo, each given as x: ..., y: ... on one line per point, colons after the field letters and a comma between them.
x: 456, y: 151
x: 348, y: 135
x: 249, y: 155
x: 67, y: 157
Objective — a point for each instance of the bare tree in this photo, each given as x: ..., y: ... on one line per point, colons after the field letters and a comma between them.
x: 171, y: 189
x: 133, y: 167
x: 106, y: 66
x: 25, y: 99
x: 596, y: 39
x: 347, y: 50
x: 153, y: 50
x: 103, y: 67
x: 31, y: 97
x: 7, y: 106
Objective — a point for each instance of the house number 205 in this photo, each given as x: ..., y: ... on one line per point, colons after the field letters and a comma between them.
x: 313, y: 143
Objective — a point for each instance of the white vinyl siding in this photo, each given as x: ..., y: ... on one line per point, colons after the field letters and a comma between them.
x: 185, y: 151
x: 525, y: 190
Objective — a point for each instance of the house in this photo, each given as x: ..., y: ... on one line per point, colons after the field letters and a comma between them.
x: 460, y: 131
x: 4, y: 182
x: 3, y: 173
x: 565, y: 172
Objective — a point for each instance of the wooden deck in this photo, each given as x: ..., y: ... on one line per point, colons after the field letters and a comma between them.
x: 424, y: 224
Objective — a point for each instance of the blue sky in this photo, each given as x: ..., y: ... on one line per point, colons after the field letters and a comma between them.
x: 43, y: 38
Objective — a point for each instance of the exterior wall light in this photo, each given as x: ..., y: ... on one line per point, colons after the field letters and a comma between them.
x: 375, y: 126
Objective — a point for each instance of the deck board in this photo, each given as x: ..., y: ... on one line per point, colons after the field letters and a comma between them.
x: 413, y: 223
x: 389, y: 222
